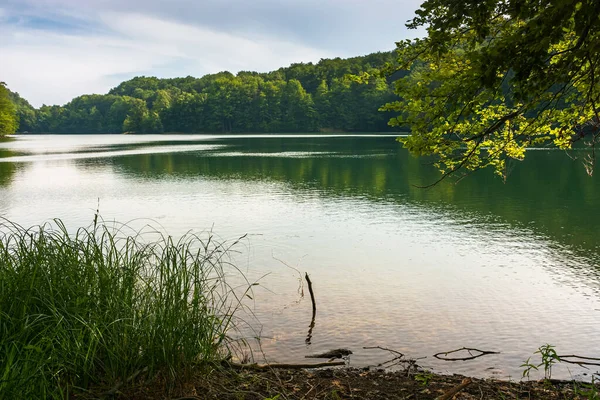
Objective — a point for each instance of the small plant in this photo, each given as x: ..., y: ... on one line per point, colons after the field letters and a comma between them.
x: 423, y: 378
x: 528, y: 367
x: 549, y: 358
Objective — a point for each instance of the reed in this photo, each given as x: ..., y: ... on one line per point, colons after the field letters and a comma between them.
x: 95, y: 307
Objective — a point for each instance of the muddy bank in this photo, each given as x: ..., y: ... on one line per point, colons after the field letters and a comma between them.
x: 347, y: 383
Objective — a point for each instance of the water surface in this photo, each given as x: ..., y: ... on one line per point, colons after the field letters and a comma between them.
x: 485, y: 264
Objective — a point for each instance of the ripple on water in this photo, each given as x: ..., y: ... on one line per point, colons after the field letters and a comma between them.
x: 479, y: 264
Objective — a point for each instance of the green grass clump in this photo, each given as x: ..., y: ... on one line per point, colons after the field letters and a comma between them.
x: 95, y: 307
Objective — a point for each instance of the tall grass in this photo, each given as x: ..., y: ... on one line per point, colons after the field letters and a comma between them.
x: 97, y: 306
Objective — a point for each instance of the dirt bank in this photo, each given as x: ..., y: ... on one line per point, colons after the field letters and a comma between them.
x: 345, y: 383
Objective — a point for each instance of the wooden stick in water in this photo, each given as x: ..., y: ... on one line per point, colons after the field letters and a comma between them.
x: 314, y: 309
x: 312, y: 295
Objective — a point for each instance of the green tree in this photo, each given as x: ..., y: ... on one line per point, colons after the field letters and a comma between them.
x: 185, y: 114
x: 162, y: 101
x: 299, y: 98
x: 26, y: 114
x: 8, y: 112
x: 137, y: 119
x: 270, y: 105
x: 297, y: 108
x: 322, y: 104
x: 493, y: 78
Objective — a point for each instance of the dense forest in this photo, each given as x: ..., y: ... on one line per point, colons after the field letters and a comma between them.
x: 303, y: 97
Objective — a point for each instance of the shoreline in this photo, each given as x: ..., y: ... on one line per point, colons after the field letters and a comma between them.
x: 353, y: 383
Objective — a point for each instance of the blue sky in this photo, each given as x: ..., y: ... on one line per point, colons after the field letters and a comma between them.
x: 54, y: 50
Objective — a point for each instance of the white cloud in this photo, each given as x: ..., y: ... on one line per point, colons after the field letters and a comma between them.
x: 53, y: 68
x: 206, y: 49
x: 54, y: 50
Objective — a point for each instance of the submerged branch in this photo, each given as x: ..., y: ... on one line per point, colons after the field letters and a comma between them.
x: 314, y: 309
x: 469, y: 349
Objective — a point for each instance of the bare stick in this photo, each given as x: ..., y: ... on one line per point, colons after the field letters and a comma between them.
x: 397, y: 360
x: 314, y: 309
x: 582, y: 363
x: 384, y: 348
x: 310, y: 329
x: 450, y: 393
x: 312, y: 295
x: 469, y: 349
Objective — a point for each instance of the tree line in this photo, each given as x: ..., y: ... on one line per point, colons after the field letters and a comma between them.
x: 8, y: 112
x: 303, y: 97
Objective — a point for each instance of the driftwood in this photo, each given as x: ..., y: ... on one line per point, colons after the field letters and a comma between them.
x: 582, y: 361
x: 410, y: 364
x: 442, y: 355
x: 397, y: 353
x: 310, y: 329
x: 312, y: 295
x: 314, y: 309
x: 262, y: 367
x: 450, y: 393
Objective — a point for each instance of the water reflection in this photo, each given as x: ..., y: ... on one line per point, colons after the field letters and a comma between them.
x: 548, y: 192
x: 7, y: 170
x: 481, y: 264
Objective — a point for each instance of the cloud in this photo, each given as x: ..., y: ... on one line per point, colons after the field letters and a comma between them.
x: 207, y: 49
x: 337, y: 25
x: 54, y: 50
x: 53, y: 68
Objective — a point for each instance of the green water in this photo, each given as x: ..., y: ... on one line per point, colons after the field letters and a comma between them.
x: 483, y: 263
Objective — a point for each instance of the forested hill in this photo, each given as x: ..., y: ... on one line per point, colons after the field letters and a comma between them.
x: 300, y: 98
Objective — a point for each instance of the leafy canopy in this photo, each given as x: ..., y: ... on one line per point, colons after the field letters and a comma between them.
x: 494, y: 77
x: 8, y: 113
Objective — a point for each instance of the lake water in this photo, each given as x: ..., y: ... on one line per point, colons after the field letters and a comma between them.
x: 485, y: 264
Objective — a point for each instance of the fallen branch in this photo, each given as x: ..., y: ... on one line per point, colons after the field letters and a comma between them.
x: 385, y: 349
x: 312, y: 295
x: 472, y: 357
x: 314, y: 309
x: 409, y: 363
x: 310, y: 329
x: 262, y: 367
x: 582, y: 363
x: 450, y: 393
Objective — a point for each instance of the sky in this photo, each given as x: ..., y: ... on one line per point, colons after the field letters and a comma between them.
x: 54, y: 50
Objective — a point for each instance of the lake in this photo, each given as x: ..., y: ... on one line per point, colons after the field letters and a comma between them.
x: 485, y: 264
